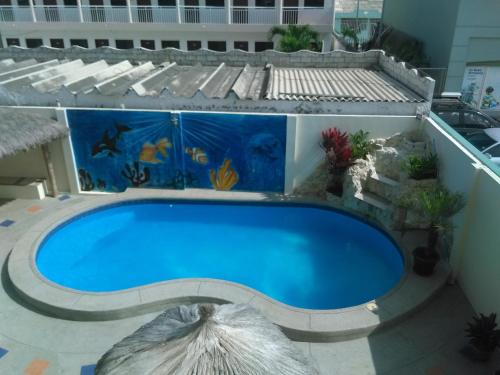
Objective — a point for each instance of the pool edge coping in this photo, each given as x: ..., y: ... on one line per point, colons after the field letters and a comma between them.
x: 300, y: 324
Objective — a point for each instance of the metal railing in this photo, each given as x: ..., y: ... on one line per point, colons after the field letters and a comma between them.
x: 255, y: 15
x: 166, y: 14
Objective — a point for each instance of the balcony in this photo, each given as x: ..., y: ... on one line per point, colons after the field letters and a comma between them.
x: 167, y: 15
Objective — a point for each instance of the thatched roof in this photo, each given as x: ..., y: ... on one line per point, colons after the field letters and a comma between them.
x: 206, y: 339
x: 21, y: 130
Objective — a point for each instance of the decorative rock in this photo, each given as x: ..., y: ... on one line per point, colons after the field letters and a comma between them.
x: 206, y: 339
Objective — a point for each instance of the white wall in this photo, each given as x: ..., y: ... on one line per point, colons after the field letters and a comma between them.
x: 475, y: 256
x: 308, y: 154
x: 31, y: 164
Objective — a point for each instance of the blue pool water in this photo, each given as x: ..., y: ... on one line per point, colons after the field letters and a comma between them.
x: 304, y: 256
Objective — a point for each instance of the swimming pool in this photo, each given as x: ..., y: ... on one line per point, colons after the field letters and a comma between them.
x: 302, y: 255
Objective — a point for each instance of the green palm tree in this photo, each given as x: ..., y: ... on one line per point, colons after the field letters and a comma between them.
x: 296, y: 37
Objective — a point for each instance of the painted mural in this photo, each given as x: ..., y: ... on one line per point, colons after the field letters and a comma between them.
x: 118, y: 149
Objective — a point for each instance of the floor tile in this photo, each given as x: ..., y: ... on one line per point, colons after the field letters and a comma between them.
x: 87, y: 370
x: 37, y: 367
x: 7, y: 223
x: 33, y: 209
x: 64, y: 197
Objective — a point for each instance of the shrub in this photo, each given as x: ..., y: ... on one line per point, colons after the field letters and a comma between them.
x: 483, y: 332
x: 422, y: 167
x: 361, y: 145
x: 337, y: 148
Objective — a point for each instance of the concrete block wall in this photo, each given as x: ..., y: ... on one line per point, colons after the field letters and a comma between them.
x: 422, y: 85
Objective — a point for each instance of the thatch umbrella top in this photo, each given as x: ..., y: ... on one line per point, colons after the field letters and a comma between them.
x: 206, y: 339
x: 21, y: 130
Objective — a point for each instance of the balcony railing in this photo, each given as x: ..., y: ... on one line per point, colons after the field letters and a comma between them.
x: 167, y: 14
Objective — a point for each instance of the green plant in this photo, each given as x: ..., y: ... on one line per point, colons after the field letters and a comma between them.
x: 421, y: 167
x: 437, y: 205
x: 360, y: 144
x: 350, y: 35
x: 296, y: 38
x: 482, y: 332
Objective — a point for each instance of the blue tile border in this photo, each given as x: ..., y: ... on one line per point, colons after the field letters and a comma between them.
x: 3, y: 352
x: 7, y: 223
x: 64, y: 197
x: 87, y: 370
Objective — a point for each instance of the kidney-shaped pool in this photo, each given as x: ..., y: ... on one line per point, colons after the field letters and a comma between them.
x: 304, y: 256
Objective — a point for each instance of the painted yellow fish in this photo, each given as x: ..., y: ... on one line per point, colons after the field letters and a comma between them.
x: 225, y: 178
x: 150, y: 151
x: 198, y: 155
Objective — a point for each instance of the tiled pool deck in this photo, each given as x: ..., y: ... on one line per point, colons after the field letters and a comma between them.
x: 34, y: 343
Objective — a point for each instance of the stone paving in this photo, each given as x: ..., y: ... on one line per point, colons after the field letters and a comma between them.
x: 35, y: 344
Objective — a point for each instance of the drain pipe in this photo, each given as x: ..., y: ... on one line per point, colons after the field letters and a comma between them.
x: 50, y: 169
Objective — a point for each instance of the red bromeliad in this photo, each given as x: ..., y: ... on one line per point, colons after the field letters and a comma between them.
x: 337, y: 148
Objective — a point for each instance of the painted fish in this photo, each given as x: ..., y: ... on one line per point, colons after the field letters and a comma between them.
x: 107, y: 145
x: 150, y: 151
x: 197, y: 154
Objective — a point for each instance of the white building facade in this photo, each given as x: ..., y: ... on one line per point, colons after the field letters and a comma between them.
x: 219, y: 25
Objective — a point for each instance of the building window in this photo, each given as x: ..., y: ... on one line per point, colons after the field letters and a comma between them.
x: 13, y: 42
x: 101, y: 43
x: 193, y: 45
x: 70, y: 3
x: 33, y: 43
x: 264, y: 3
x: 166, y: 3
x: 170, y: 44
x: 217, y: 46
x: 124, y: 43
x: 79, y: 42
x: 148, y: 44
x: 241, y: 45
x: 314, y: 3
x: 57, y: 43
x: 214, y: 3
x: 118, y: 3
x: 262, y: 46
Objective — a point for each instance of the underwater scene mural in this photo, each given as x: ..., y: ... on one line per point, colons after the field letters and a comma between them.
x: 116, y: 149
x: 234, y: 151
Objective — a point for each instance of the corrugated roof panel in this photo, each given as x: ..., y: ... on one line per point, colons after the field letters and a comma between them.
x: 27, y: 69
x: 87, y: 82
x: 155, y: 83
x: 54, y: 83
x: 187, y: 82
x: 120, y: 84
x: 221, y: 83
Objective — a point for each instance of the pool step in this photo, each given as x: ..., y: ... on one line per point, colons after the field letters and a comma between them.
x: 373, y: 200
x: 384, y: 180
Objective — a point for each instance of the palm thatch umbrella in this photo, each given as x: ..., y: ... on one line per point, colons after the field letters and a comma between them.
x: 21, y: 130
x: 206, y: 339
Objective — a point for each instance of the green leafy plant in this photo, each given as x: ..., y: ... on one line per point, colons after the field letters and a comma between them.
x: 483, y: 333
x: 437, y: 205
x: 350, y: 35
x: 296, y: 38
x: 421, y: 167
x: 360, y: 144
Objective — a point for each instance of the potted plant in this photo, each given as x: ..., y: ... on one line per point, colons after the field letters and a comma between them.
x: 422, y: 167
x: 339, y: 157
x: 483, y: 336
x: 437, y: 205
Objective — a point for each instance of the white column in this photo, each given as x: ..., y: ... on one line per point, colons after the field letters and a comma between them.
x: 32, y: 10
x: 80, y: 12
x: 279, y: 5
x: 227, y: 3
x: 69, y: 159
x: 130, y: 20
x: 179, y: 19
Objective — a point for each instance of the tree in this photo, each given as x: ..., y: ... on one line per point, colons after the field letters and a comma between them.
x: 296, y: 37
